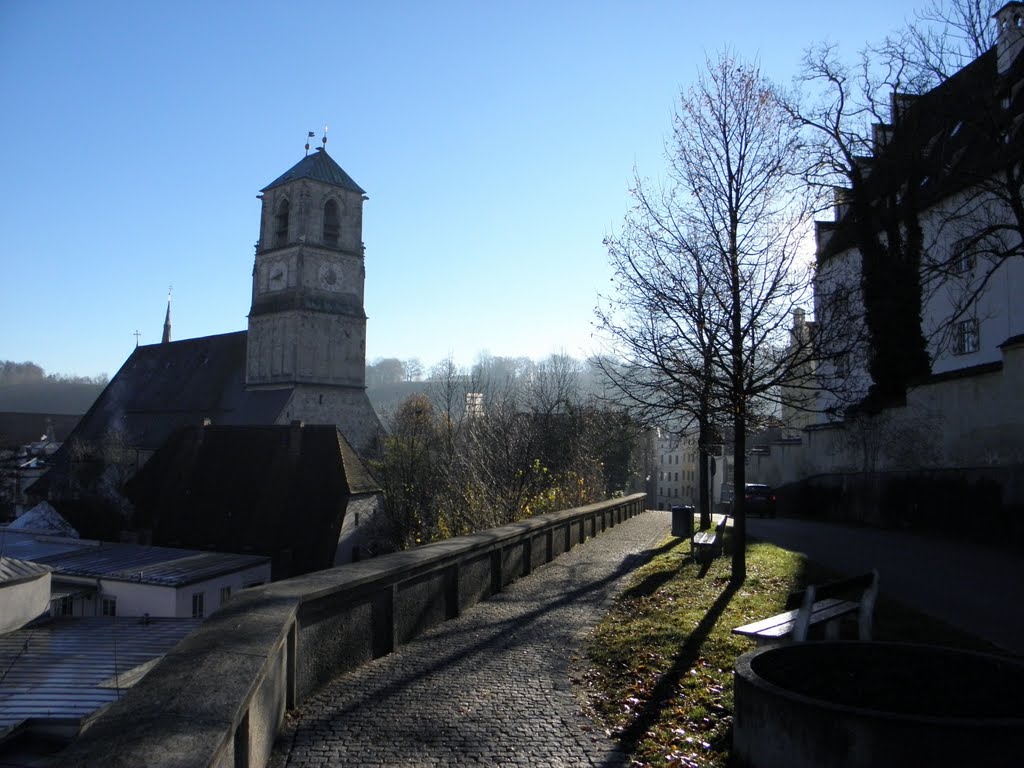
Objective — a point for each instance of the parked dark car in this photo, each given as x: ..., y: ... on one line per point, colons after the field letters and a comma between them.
x: 759, y: 499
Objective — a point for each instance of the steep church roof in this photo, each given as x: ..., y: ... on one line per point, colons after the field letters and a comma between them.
x: 162, y: 387
x: 318, y: 166
x: 280, y: 491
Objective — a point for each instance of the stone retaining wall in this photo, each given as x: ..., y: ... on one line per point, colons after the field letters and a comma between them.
x: 219, y: 697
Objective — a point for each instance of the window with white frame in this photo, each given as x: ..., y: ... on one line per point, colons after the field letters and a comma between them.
x: 962, y: 261
x: 965, y: 337
x: 108, y: 606
x: 198, y: 610
x: 225, y: 594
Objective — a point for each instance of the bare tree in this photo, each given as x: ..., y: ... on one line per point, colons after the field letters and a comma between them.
x: 412, y: 369
x: 408, y: 475
x: 706, y: 267
x: 944, y: 37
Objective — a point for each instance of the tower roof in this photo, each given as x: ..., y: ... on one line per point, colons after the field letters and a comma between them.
x: 167, y: 323
x: 318, y: 166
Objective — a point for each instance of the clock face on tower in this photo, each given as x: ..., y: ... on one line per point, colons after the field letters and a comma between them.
x: 278, y: 278
x: 330, y: 277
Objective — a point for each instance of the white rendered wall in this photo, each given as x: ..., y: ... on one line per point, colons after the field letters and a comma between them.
x: 211, y: 589
x: 23, y: 601
x: 999, y: 309
x: 136, y: 599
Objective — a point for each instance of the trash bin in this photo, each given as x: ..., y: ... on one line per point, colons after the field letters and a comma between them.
x: 682, y: 521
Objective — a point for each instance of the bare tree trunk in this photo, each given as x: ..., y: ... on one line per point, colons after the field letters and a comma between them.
x: 739, y: 512
x: 705, y: 492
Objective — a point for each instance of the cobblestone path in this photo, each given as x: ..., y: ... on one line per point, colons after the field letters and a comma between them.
x: 490, y: 687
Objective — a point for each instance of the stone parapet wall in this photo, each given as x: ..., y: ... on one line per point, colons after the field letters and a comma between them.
x: 219, y: 697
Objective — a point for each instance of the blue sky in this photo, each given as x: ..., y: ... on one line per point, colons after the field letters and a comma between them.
x: 496, y: 142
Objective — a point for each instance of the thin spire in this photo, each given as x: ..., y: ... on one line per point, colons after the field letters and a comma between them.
x: 167, y: 318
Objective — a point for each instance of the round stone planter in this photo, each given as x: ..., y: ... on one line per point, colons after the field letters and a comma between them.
x: 873, y: 705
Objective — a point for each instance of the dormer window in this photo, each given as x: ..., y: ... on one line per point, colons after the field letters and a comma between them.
x: 331, y: 223
x: 281, y: 224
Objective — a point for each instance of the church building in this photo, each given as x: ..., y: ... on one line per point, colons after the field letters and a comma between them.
x: 302, y: 359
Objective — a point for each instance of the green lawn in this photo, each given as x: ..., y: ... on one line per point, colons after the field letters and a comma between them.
x: 657, y: 672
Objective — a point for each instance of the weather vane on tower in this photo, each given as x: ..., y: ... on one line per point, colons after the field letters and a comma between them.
x: 311, y: 135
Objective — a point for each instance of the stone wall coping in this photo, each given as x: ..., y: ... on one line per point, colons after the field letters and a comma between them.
x: 410, y: 563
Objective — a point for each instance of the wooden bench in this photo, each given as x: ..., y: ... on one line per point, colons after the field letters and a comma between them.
x: 823, y: 604
x: 708, y: 543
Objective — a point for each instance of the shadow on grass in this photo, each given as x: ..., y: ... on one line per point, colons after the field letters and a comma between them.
x: 667, y: 687
x: 668, y: 546
x: 652, y: 583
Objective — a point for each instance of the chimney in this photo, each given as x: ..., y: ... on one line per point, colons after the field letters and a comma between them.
x: 840, y: 202
x: 295, y: 440
x: 899, y: 104
x: 1010, y: 35
x: 204, y: 422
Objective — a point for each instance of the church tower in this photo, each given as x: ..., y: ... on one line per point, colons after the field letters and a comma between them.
x: 307, y: 325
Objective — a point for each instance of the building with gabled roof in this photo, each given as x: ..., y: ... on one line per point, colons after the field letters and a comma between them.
x: 302, y: 358
x: 100, y: 578
x: 945, y: 183
x: 952, y: 159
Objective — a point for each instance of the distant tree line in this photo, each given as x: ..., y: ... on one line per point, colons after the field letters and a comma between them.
x: 30, y: 373
x: 391, y: 371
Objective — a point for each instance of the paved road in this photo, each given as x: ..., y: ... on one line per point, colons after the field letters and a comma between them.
x: 490, y: 687
x: 978, y: 589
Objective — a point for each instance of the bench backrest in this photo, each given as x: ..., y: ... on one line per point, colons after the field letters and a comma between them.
x: 838, y: 588
x: 867, y: 586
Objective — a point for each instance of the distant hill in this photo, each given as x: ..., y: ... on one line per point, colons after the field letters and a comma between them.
x: 386, y: 398
x: 46, y: 396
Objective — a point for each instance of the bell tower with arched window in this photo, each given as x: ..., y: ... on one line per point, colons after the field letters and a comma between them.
x: 307, y: 325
